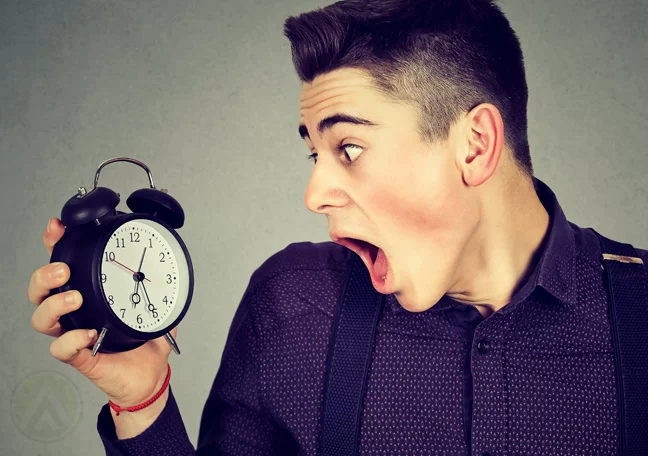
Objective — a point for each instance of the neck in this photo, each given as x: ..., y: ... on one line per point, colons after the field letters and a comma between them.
x: 504, y: 250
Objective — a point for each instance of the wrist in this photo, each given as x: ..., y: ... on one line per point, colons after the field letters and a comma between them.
x: 133, y: 419
x: 132, y: 424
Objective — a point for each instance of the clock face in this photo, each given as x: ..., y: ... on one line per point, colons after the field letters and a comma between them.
x: 144, y: 275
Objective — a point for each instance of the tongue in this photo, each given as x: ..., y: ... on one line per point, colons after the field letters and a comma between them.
x: 380, y: 265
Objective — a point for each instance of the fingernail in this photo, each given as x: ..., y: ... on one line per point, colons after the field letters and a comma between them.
x: 58, y: 272
x: 49, y: 226
x: 70, y: 297
x: 92, y: 333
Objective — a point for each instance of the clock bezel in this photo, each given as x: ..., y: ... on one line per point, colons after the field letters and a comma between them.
x: 97, y: 260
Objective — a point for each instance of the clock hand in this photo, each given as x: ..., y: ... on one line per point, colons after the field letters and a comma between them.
x: 135, y: 293
x: 137, y: 282
x: 148, y: 299
x: 142, y: 260
x: 115, y: 261
x: 132, y: 298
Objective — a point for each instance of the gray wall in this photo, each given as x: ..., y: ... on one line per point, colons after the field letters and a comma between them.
x: 204, y: 93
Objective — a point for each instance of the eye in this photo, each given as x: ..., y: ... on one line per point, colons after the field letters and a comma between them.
x: 343, y: 148
x: 346, y: 147
x: 312, y: 157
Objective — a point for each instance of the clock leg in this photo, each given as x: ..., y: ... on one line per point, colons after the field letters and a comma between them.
x: 99, y: 340
x: 169, y: 338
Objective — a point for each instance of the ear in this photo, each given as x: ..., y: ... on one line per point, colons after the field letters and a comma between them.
x: 482, y: 144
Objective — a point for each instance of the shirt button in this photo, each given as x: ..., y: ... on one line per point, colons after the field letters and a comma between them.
x: 482, y: 347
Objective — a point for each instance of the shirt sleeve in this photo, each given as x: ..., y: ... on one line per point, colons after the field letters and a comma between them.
x: 167, y: 434
x: 233, y: 421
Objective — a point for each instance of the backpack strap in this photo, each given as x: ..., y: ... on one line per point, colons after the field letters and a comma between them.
x: 625, y: 279
x: 348, y: 362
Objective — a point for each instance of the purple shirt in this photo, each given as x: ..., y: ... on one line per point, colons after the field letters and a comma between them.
x: 535, y: 377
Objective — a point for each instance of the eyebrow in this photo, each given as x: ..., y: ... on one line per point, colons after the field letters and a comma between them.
x: 329, y: 121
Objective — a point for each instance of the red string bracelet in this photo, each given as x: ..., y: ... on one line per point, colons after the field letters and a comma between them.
x: 135, y: 408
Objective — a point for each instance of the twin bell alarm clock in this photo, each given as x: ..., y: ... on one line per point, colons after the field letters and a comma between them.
x: 132, y: 269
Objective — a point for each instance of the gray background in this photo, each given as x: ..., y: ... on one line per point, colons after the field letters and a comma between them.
x: 205, y: 94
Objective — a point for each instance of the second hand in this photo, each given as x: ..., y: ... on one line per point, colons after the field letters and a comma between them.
x: 134, y: 272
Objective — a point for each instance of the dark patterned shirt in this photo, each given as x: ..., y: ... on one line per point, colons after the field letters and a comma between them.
x: 534, y: 378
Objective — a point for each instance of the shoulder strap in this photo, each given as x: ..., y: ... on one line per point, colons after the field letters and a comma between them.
x: 625, y: 279
x: 348, y: 363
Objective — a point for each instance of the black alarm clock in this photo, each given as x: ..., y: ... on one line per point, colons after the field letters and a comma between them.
x: 133, y: 270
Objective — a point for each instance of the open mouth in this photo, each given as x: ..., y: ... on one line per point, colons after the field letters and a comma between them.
x: 372, y: 255
x: 367, y: 248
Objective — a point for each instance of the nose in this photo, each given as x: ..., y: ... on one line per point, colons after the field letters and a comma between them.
x: 324, y: 190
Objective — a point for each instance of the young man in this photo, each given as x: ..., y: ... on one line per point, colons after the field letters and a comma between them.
x: 495, y: 337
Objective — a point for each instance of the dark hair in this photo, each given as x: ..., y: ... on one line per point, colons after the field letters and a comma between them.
x: 443, y: 56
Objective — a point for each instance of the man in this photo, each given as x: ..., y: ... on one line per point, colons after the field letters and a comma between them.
x: 495, y: 337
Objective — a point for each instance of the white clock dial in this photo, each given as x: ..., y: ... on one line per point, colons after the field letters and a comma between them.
x: 152, y: 299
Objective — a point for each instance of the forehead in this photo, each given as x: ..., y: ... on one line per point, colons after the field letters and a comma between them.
x: 343, y: 89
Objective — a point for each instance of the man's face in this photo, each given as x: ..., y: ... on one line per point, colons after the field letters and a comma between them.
x: 388, y: 187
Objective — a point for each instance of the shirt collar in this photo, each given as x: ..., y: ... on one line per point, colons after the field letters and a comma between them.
x: 554, y: 270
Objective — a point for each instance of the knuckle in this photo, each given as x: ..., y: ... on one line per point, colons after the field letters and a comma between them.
x: 34, y: 321
x: 58, y: 348
x: 32, y: 289
x: 41, y: 277
x: 53, y: 348
x: 37, y: 319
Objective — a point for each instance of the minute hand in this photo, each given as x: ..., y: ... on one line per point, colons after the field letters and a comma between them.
x: 147, y: 298
x: 137, y: 282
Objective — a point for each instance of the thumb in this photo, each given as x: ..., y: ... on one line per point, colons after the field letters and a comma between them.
x: 72, y: 348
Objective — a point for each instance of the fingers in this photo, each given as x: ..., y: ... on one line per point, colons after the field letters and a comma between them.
x: 44, y: 279
x: 72, y: 348
x: 53, y: 233
x: 45, y: 318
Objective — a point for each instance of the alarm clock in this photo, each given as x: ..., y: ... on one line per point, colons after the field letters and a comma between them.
x: 133, y: 270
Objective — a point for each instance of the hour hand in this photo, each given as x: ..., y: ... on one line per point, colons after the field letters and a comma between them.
x: 135, y: 299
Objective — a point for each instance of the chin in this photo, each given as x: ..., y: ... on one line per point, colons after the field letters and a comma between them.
x: 414, y: 305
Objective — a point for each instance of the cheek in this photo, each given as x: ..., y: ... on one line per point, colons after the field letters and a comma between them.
x: 415, y: 208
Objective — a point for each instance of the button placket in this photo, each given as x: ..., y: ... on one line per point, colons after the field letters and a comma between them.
x: 483, y: 346
x: 489, y: 421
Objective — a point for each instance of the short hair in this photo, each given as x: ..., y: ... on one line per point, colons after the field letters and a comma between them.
x: 444, y: 57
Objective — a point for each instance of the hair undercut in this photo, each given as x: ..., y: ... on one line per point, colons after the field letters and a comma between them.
x: 444, y: 57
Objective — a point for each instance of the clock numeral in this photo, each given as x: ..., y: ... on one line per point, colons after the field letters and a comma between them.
x: 122, y: 243
x: 165, y: 300
x: 168, y: 278
x: 111, y: 300
x: 103, y: 278
x: 110, y: 256
x: 136, y: 237
x: 123, y: 311
x: 139, y: 319
x: 162, y: 259
x: 150, y: 243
